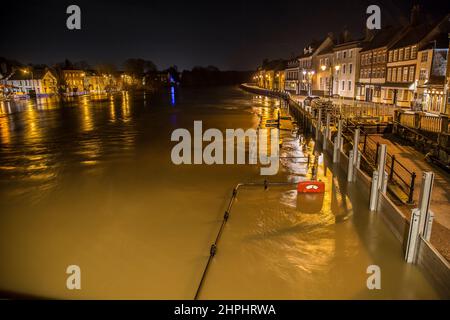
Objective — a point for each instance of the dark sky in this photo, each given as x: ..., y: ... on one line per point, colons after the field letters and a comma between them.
x: 229, y: 34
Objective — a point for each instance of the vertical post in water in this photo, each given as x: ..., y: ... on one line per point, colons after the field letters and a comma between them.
x: 335, y: 149
x: 424, y: 201
x: 350, y: 166
x: 384, y: 182
x: 327, y: 131
x: 355, y: 145
x: 413, y: 236
x: 319, y: 124
x: 381, y: 162
x: 421, y: 219
x: 374, y: 191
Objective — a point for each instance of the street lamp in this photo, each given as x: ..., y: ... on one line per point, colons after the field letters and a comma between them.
x: 26, y: 71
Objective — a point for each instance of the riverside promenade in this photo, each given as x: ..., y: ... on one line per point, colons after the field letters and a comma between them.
x: 432, y: 256
x: 415, y: 161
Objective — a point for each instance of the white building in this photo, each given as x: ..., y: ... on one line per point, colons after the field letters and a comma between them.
x: 346, y: 62
x: 26, y: 82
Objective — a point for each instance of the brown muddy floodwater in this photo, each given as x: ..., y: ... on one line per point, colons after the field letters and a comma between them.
x: 90, y: 182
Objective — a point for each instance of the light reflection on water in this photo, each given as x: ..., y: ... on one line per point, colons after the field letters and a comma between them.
x: 89, y: 181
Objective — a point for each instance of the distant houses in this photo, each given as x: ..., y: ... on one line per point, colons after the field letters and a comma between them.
x: 18, y: 81
x: 403, y: 66
x: 24, y: 82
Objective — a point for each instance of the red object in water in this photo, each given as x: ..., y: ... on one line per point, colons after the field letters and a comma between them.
x: 311, y: 187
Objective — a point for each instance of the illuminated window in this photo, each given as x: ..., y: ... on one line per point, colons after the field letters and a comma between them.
x: 414, y: 52
x: 411, y: 73
x: 424, y: 56
x: 395, y: 55
x: 400, y: 54
x: 405, y: 74
x: 399, y: 74
x: 407, y: 53
x: 389, y: 75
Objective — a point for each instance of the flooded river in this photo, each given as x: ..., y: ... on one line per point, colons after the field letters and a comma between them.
x: 90, y: 182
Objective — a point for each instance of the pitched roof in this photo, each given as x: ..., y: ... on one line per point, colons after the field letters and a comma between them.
x: 413, y: 35
x: 35, y: 74
x: 383, y: 38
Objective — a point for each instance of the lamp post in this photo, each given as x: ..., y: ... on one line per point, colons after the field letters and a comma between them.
x: 26, y: 71
x: 330, y: 87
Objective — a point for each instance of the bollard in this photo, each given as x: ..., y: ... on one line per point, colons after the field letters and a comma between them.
x: 413, y: 236
x: 350, y: 166
x: 374, y: 191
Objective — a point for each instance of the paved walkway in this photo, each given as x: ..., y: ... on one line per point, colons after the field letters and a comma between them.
x: 440, y: 200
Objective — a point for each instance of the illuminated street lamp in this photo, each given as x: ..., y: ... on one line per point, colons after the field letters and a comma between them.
x: 26, y: 71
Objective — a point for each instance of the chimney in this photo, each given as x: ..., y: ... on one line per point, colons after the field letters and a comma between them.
x: 369, y: 34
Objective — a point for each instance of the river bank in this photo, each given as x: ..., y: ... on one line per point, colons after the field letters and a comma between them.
x: 429, y: 259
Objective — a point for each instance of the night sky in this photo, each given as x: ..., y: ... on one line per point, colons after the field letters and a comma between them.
x: 230, y: 34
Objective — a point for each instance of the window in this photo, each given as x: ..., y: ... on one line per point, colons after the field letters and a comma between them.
x: 395, y: 55
x: 423, y: 74
x: 414, y: 52
x: 411, y: 73
x: 399, y: 74
x: 389, y: 94
x: 394, y: 74
x: 390, y: 56
x: 400, y: 54
x: 424, y: 56
x: 350, y: 53
x: 345, y: 54
x: 349, y: 86
x: 350, y: 68
x: 407, y: 53
x: 343, y: 68
x: 405, y: 74
x: 343, y: 85
x: 389, y: 75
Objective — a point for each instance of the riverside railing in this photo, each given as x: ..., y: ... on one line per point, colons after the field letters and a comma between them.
x: 399, y: 175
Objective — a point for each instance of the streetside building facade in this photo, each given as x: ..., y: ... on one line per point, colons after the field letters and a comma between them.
x: 431, y: 69
x: 346, y: 71
x: 373, y: 61
x: 74, y: 81
x: 40, y: 82
x: 291, y: 83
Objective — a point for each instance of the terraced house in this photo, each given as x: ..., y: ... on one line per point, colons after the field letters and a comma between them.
x: 431, y: 70
x: 373, y: 64
x: 346, y: 61
x: 407, y: 70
